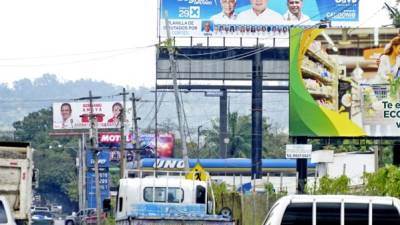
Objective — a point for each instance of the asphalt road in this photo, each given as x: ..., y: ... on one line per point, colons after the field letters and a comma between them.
x: 58, y: 222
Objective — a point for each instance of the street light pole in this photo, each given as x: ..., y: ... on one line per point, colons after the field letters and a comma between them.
x: 198, y: 139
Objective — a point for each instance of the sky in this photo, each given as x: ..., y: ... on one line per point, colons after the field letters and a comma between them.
x: 105, y: 40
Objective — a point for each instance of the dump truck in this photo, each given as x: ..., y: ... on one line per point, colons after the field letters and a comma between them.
x: 17, y: 178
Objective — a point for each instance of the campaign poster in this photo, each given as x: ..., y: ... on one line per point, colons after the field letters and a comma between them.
x: 250, y: 18
x: 344, y: 82
x: 76, y: 115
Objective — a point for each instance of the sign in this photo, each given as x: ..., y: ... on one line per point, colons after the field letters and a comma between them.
x: 111, y: 140
x: 298, y: 151
x: 198, y: 18
x: 91, y: 187
x: 104, y: 158
x: 361, y: 101
x: 104, y: 164
x: 197, y: 173
x: 75, y: 115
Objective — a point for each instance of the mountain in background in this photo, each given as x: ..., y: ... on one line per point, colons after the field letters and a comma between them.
x: 27, y: 96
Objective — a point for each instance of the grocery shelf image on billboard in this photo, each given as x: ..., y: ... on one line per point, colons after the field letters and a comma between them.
x: 344, y: 82
x: 199, y: 18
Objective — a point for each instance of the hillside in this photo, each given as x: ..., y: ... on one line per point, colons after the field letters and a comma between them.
x: 27, y: 96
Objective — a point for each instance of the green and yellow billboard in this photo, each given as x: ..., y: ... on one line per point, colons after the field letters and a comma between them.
x: 340, y: 86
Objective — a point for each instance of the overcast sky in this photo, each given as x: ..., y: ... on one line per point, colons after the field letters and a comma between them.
x: 98, y: 39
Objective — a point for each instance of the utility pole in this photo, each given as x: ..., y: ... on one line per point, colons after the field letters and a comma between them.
x: 136, y: 146
x: 83, y: 171
x: 80, y: 175
x: 177, y: 101
x: 123, y: 138
x: 95, y: 148
x: 256, y: 117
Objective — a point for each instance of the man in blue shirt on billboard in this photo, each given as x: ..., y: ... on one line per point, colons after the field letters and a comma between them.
x: 227, y: 14
x: 294, y: 13
x: 260, y: 14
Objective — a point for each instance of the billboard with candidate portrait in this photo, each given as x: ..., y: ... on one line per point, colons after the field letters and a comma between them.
x: 76, y: 115
x: 344, y: 82
x: 199, y: 18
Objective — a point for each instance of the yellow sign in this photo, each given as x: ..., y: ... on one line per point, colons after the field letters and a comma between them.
x: 197, y: 173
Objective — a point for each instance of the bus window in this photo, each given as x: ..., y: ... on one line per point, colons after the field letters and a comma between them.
x: 384, y: 214
x: 355, y: 213
x: 298, y: 214
x: 175, y: 195
x: 200, y: 194
x: 159, y: 194
x: 328, y: 213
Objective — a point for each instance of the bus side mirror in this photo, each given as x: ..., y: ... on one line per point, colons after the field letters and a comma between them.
x: 209, y: 207
x: 35, y: 178
x: 106, y: 205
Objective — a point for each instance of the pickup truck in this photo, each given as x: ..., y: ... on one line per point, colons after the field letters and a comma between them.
x: 85, y: 216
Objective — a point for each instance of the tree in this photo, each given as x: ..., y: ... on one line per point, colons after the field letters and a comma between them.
x: 239, y: 134
x: 394, y: 14
x: 56, y: 165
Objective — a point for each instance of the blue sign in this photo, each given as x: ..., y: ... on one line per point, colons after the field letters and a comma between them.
x: 91, y: 187
x: 104, y: 178
x: 240, y: 17
x: 104, y: 158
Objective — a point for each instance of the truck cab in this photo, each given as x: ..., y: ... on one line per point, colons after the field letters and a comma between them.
x: 163, y: 199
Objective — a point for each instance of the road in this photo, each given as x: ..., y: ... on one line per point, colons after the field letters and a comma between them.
x: 58, y: 222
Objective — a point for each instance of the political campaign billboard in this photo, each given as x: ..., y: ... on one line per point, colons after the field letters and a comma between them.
x: 344, y: 83
x: 199, y: 18
x: 76, y: 115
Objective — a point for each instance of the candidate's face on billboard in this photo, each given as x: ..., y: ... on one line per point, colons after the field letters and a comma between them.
x: 207, y: 27
x: 65, y: 111
x: 228, y: 6
x: 259, y: 5
x: 295, y: 6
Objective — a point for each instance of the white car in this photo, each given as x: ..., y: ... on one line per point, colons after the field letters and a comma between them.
x: 334, y: 210
x: 6, y: 217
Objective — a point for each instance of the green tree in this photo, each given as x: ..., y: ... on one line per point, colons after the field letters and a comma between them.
x: 394, y: 14
x: 56, y: 165
x: 386, y: 181
x: 327, y: 185
x: 239, y: 134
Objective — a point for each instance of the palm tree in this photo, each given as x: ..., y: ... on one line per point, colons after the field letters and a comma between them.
x: 394, y: 14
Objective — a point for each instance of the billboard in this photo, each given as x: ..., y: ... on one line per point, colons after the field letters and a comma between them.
x: 111, y: 140
x: 344, y: 85
x: 199, y: 18
x: 75, y: 115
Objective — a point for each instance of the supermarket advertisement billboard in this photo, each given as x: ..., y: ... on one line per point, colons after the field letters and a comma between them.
x: 199, y: 18
x: 336, y: 93
x: 75, y: 115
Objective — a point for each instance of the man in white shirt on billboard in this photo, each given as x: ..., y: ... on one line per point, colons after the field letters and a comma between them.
x: 260, y: 14
x: 227, y: 14
x: 66, y: 115
x: 294, y: 13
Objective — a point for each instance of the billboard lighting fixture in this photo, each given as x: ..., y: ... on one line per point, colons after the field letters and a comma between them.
x: 329, y: 40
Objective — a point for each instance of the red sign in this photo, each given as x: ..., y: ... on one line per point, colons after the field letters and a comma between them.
x: 112, y: 137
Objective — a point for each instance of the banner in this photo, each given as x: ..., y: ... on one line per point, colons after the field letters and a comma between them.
x: 198, y: 18
x: 75, y: 115
x: 111, y: 140
x: 336, y: 90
